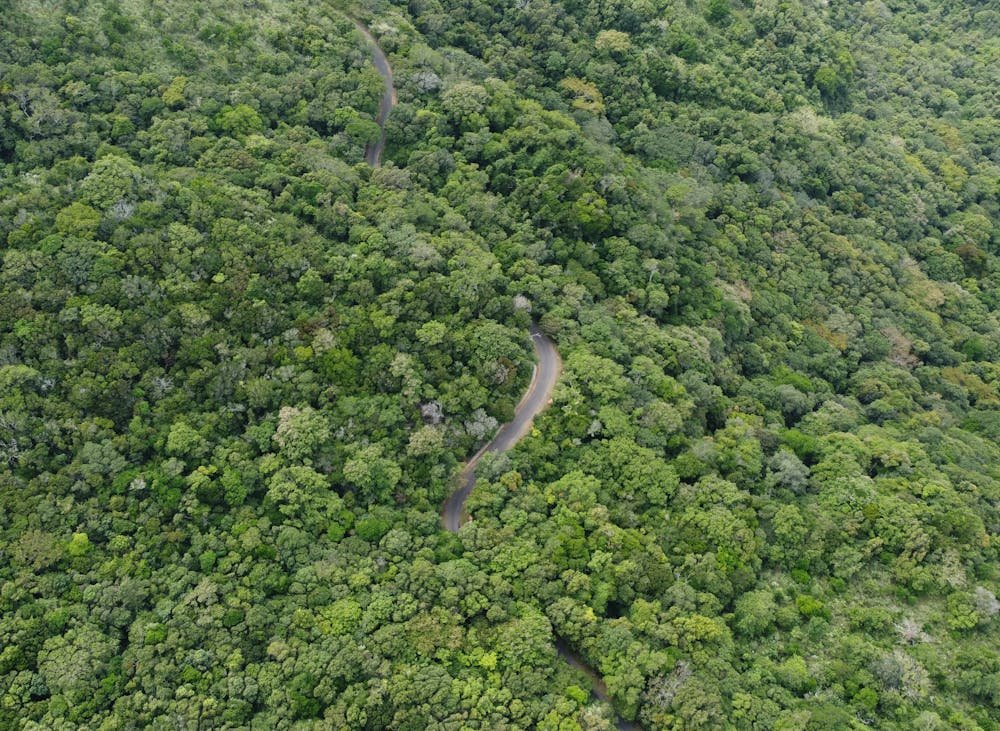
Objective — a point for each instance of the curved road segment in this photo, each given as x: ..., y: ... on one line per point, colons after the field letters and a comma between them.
x: 373, y: 153
x: 535, y: 399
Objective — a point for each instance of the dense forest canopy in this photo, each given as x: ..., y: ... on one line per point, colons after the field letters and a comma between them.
x: 240, y: 368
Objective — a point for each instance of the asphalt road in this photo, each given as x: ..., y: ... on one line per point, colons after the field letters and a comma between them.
x: 597, y: 686
x: 534, y: 401
x: 373, y: 153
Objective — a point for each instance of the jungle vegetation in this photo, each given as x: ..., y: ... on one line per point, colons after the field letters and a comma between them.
x: 240, y: 368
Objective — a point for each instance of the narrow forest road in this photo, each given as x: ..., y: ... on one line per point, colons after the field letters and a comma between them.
x: 535, y: 399
x: 373, y: 153
x: 597, y: 685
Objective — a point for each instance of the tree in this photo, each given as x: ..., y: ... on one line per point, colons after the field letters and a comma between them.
x: 755, y: 613
x: 301, y: 432
x: 75, y: 663
x: 239, y: 121
x: 375, y: 475
x: 112, y: 179
x: 78, y: 219
x: 614, y: 41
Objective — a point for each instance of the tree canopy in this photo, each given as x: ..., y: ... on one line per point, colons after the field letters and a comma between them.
x: 240, y: 368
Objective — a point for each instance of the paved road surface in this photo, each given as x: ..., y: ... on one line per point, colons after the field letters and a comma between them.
x: 535, y: 399
x: 373, y: 153
x: 597, y: 686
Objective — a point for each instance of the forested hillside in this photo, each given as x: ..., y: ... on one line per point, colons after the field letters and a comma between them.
x: 240, y: 368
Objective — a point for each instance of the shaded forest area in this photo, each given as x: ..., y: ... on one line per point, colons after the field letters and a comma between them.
x: 239, y: 368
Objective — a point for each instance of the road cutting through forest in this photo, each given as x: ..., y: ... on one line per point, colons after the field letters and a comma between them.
x: 536, y: 397
x: 373, y: 152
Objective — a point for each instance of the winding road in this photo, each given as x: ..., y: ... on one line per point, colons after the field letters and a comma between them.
x: 534, y: 401
x: 453, y: 515
x: 373, y: 153
x: 598, y: 688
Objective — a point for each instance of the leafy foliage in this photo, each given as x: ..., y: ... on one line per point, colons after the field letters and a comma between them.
x: 239, y: 368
